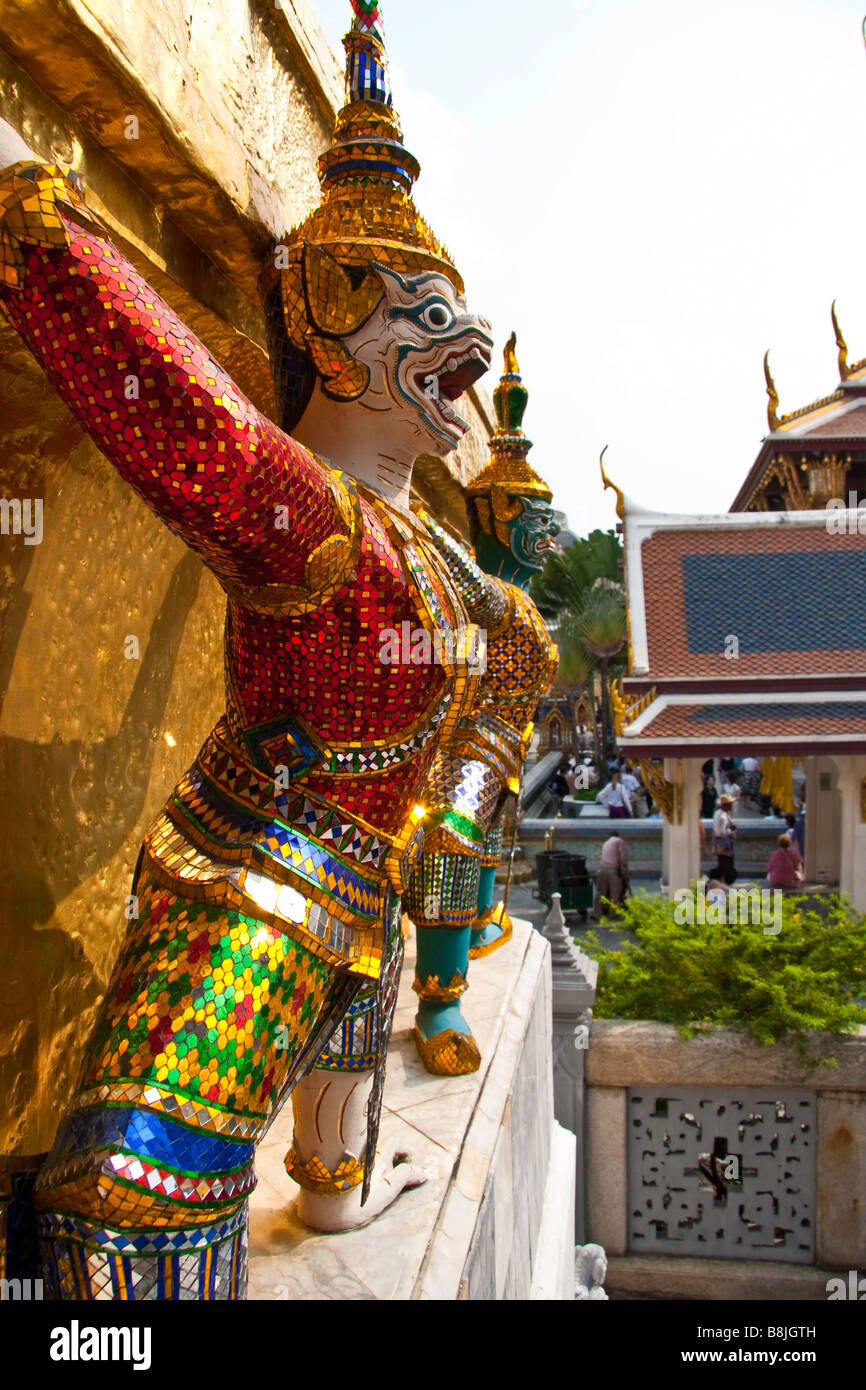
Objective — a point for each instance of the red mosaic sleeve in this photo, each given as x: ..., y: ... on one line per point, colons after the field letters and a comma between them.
x: 258, y: 507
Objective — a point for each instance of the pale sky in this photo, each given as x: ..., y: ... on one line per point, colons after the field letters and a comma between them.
x: 651, y: 195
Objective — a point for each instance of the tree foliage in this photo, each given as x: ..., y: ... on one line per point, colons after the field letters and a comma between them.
x: 806, y: 979
x: 581, y: 588
x: 570, y: 574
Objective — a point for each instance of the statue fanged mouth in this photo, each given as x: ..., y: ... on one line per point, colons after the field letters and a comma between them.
x: 446, y: 384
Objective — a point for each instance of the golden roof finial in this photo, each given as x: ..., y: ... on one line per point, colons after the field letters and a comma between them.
x: 511, y: 367
x: 773, y: 395
x: 844, y: 369
x: 620, y: 499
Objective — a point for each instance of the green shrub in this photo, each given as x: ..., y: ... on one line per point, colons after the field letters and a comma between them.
x: 806, y: 979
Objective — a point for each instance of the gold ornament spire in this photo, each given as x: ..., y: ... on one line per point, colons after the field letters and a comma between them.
x: 620, y: 498
x: 844, y: 369
x: 509, y: 473
x: 772, y: 395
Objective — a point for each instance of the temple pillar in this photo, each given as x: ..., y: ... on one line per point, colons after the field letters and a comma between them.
x: 823, y: 820
x: 681, y: 847
x: 851, y: 772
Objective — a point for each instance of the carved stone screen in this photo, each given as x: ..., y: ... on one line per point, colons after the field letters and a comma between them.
x: 722, y: 1172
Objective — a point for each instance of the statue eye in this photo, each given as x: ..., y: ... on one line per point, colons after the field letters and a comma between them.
x: 438, y: 316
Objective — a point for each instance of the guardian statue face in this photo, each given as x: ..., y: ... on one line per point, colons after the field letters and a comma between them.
x: 422, y: 349
x: 532, y: 533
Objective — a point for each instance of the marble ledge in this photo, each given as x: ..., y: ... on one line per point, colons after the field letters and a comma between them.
x: 459, y: 1129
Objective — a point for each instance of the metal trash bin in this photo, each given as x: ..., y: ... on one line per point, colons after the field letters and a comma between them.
x: 564, y: 873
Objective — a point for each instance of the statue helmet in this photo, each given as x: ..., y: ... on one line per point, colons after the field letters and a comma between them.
x: 321, y: 284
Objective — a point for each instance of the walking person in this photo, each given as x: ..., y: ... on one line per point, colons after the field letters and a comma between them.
x: 615, y: 797
x: 732, y: 789
x: 751, y: 781
x: 613, y: 874
x: 709, y: 797
x: 724, y: 840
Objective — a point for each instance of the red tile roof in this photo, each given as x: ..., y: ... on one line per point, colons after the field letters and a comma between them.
x: 780, y: 725
x: 680, y: 602
x: 847, y: 424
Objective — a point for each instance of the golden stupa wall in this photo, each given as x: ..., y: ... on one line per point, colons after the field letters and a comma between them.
x: 228, y: 103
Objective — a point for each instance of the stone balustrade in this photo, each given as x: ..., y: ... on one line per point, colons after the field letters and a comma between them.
x: 792, y: 1140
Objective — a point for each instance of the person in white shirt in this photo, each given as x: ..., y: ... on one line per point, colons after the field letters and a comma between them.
x: 615, y: 797
x: 635, y: 791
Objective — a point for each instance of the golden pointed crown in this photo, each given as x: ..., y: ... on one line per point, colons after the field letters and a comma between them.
x: 509, y: 473
x: 366, y: 215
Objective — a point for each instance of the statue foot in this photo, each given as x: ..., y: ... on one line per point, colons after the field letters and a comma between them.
x: 334, y: 1212
x: 444, y: 1040
x: 492, y: 930
x: 449, y: 1053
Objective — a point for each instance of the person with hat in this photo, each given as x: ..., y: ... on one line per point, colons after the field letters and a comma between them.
x: 724, y: 840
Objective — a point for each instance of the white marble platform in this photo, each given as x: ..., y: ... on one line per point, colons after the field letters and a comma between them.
x: 489, y: 1222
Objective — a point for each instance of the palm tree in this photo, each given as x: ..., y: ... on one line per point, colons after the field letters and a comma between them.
x: 575, y: 673
x: 569, y: 573
x: 602, y: 625
x: 581, y: 589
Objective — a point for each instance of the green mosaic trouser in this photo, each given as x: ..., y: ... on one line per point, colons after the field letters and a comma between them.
x: 490, y: 861
x: 441, y: 901
x: 210, y: 1018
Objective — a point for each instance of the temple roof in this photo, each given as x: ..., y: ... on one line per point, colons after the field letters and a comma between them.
x: 841, y: 416
x: 786, y: 723
x: 833, y: 425
x: 747, y: 630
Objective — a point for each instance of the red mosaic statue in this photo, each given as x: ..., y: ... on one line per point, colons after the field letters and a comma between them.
x: 266, y: 952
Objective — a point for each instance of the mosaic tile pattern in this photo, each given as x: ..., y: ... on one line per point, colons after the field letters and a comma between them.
x: 493, y: 848
x: 267, y: 889
x: 443, y: 891
x: 206, y: 1264
x: 464, y: 795
x: 256, y: 896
